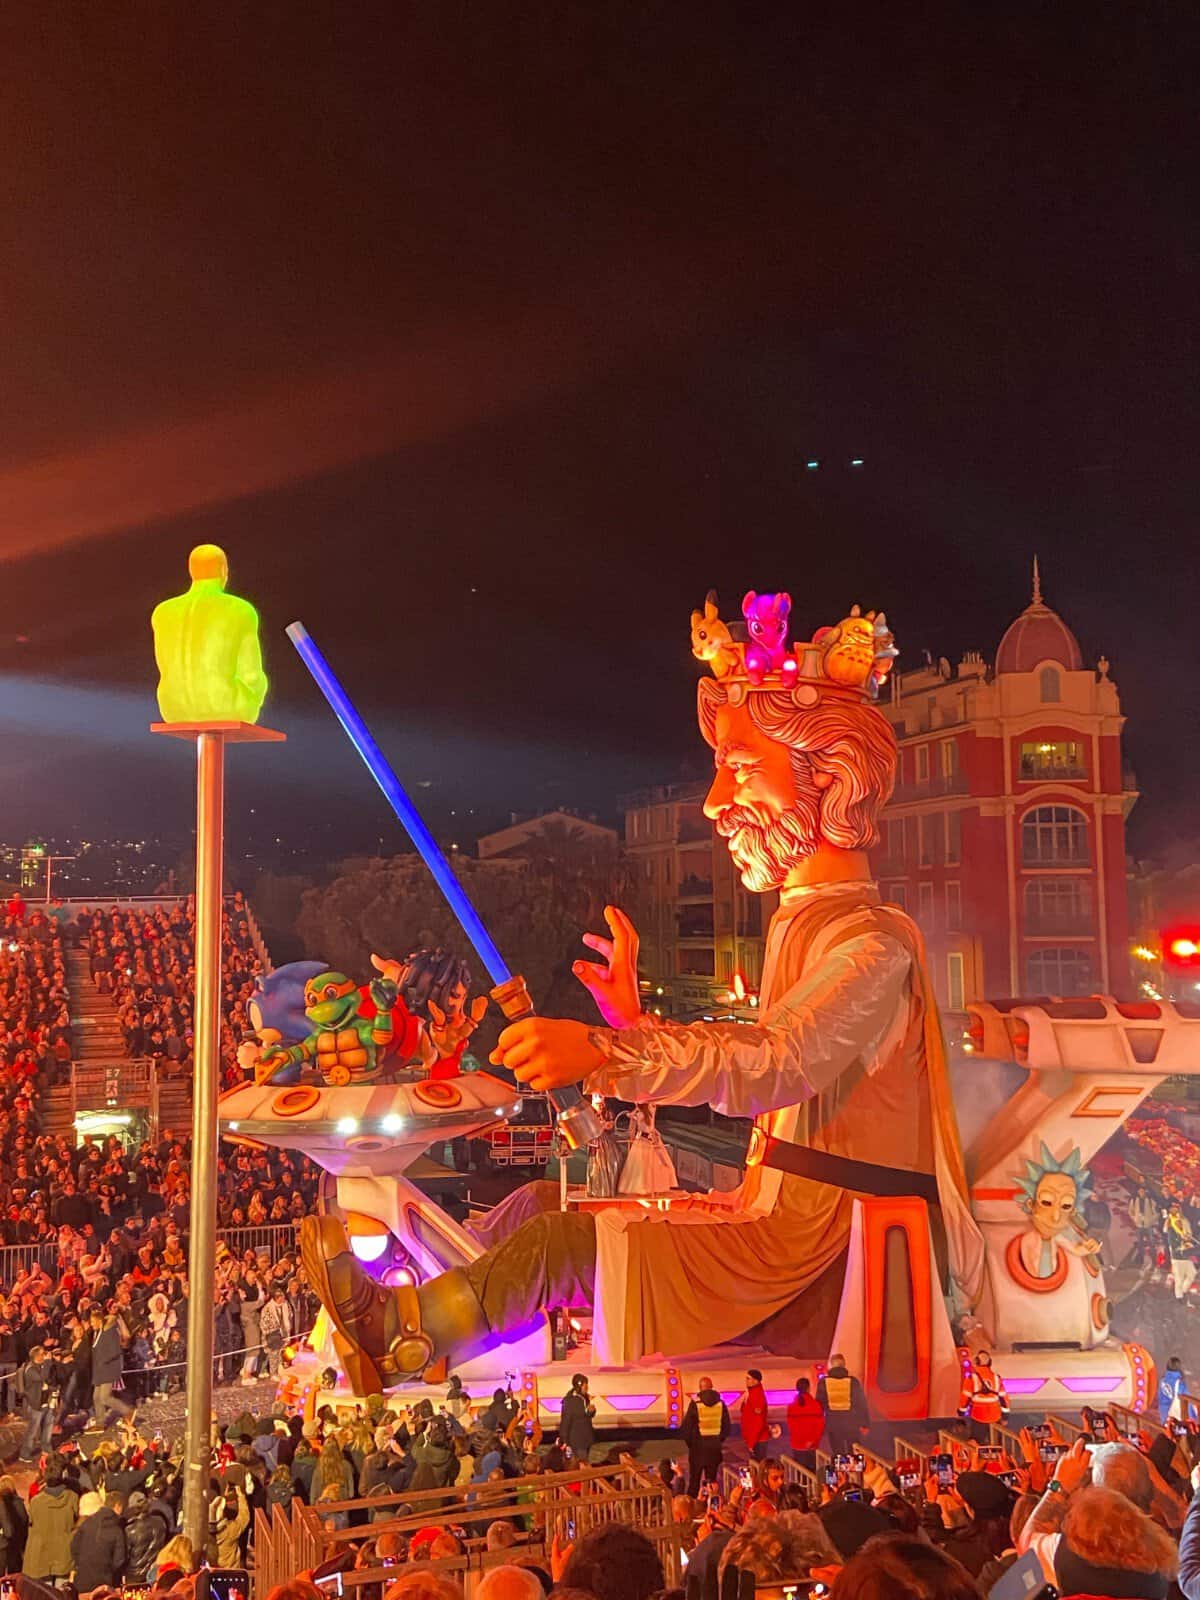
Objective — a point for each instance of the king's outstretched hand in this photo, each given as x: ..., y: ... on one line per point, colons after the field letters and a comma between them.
x: 613, y: 986
x: 547, y: 1052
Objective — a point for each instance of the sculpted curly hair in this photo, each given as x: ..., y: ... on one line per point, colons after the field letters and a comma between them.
x: 843, y: 746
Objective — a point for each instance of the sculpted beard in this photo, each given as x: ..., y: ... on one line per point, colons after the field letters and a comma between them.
x: 766, y: 852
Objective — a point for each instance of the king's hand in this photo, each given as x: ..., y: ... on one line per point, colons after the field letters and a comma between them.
x: 547, y: 1052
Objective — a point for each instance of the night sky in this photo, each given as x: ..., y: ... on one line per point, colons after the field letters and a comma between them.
x: 486, y: 339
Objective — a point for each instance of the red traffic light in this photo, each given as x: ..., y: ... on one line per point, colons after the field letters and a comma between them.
x: 1181, y: 947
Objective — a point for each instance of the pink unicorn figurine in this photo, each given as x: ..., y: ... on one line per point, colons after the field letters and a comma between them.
x: 767, y: 622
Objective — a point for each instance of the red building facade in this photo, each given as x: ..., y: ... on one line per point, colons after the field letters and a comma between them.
x: 1005, y: 837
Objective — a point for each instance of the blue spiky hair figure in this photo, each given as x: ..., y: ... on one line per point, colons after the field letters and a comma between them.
x: 278, y: 1000
x: 1051, y: 1213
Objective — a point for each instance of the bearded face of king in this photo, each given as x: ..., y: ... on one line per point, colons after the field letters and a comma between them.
x: 764, y: 801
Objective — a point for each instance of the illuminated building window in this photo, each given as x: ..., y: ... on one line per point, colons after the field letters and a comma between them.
x: 1051, y: 684
x: 1058, y: 970
x: 1052, y: 758
x: 921, y: 755
x: 1054, y: 836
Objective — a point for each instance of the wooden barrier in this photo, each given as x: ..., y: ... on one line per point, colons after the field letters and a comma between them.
x: 297, y: 1540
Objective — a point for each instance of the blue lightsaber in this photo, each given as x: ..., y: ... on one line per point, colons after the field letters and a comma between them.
x: 577, y: 1121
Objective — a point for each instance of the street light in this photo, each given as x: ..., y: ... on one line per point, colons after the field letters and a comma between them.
x: 50, y: 860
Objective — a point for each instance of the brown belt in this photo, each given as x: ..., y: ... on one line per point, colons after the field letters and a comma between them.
x: 863, y: 1177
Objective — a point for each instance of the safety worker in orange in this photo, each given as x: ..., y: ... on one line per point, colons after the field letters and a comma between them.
x: 984, y: 1400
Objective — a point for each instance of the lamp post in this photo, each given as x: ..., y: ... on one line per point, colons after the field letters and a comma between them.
x: 211, y: 687
x: 50, y: 860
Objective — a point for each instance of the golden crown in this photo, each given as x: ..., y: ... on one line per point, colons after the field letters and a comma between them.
x: 855, y: 656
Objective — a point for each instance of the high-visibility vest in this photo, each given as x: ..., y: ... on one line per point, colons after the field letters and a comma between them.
x: 837, y: 1393
x: 709, y: 1417
x: 983, y: 1395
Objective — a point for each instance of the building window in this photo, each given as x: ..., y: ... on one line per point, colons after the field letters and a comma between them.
x: 1057, y: 905
x: 1059, y: 969
x: 953, y: 838
x: 895, y: 839
x: 922, y: 759
x: 726, y: 966
x: 1053, y: 836
x: 949, y: 759
x: 910, y: 838
x: 925, y: 904
x: 1052, y: 758
x: 953, y: 907
x: 925, y: 840
x: 1051, y: 686
x: 956, y: 990
x: 896, y: 894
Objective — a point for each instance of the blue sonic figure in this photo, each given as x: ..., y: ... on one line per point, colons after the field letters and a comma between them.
x: 277, y: 1018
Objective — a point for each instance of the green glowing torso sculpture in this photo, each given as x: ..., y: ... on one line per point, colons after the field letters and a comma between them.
x: 207, y: 649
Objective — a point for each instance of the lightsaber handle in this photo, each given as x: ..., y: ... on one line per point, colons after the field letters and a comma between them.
x: 577, y: 1121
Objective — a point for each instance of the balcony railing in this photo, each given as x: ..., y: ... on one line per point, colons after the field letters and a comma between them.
x: 889, y: 866
x: 1047, y: 771
x: 1061, y: 858
x: 694, y: 831
x: 693, y: 888
x: 1046, y: 924
x: 938, y: 783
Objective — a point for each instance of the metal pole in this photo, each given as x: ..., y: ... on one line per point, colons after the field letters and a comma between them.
x: 210, y: 834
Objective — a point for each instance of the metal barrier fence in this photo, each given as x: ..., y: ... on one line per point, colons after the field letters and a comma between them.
x: 274, y: 1240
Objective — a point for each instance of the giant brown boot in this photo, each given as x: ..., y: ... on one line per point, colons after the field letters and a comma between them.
x: 384, y: 1336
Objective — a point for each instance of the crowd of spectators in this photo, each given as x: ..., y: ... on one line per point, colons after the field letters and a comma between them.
x: 1104, y: 1516
x: 144, y: 957
x: 1179, y: 1157
x: 104, y: 1223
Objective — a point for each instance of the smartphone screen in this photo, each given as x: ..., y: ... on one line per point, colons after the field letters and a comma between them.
x: 990, y: 1452
x: 1047, y: 1451
x: 831, y: 1478
x: 943, y: 1469
x: 233, y: 1583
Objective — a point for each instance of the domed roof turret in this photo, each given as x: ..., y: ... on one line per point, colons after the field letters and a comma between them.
x: 1039, y: 634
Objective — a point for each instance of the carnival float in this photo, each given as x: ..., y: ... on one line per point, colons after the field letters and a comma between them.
x: 896, y: 1207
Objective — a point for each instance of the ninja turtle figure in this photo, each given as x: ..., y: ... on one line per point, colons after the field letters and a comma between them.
x: 347, y: 1047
